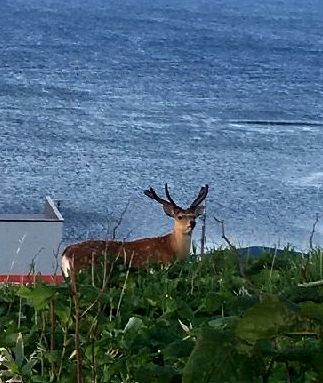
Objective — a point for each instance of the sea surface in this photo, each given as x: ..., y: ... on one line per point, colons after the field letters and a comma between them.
x: 100, y: 99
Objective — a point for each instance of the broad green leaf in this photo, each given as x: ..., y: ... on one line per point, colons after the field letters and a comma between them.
x: 179, y: 349
x: 213, y: 302
x: 63, y: 311
x: 9, y: 339
x: 299, y: 294
x: 312, y: 310
x: 216, y: 360
x: 237, y: 305
x: 19, y: 351
x: 222, y: 323
x: 178, y: 308
x: 39, y: 295
x: 265, y: 320
x: 134, y: 324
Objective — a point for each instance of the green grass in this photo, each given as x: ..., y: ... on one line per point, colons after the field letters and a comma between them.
x: 215, y: 319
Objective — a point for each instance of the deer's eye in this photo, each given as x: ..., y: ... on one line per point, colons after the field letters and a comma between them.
x: 180, y: 217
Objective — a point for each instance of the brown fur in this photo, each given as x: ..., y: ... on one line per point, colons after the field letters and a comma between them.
x: 141, y: 252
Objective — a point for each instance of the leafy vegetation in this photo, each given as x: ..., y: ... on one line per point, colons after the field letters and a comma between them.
x: 203, y: 320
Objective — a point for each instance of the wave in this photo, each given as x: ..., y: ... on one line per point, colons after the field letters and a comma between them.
x: 277, y: 122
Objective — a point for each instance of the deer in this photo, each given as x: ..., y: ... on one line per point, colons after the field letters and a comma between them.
x: 142, y: 252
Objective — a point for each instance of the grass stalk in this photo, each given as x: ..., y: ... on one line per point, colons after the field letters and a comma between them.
x: 124, y: 285
x: 52, y: 334
x: 19, y: 313
x: 77, y: 343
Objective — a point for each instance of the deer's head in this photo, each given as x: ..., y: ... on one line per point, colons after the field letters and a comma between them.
x: 185, y: 219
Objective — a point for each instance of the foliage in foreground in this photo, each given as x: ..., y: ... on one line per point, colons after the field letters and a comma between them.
x: 203, y: 320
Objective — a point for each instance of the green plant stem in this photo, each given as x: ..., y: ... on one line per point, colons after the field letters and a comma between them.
x: 52, y: 334
x: 65, y: 340
x: 20, y: 313
x: 79, y: 361
x: 124, y: 285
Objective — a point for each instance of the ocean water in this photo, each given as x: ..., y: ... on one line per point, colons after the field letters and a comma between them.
x: 100, y: 99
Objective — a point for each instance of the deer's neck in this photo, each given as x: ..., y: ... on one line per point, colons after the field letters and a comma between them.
x: 181, y: 243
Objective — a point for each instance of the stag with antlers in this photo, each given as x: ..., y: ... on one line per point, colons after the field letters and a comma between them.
x: 163, y: 250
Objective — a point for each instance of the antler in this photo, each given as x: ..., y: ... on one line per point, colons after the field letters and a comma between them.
x: 170, y: 199
x: 201, y: 197
x: 153, y: 195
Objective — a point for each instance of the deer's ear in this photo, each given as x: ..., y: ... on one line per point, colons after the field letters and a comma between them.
x: 199, y: 211
x: 169, y: 210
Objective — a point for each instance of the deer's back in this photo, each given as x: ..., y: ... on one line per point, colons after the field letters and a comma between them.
x: 136, y: 253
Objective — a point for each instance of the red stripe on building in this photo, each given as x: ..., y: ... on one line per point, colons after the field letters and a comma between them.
x: 26, y: 279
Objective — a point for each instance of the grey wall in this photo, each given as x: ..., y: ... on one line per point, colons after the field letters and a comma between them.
x: 31, y: 241
x: 24, y: 243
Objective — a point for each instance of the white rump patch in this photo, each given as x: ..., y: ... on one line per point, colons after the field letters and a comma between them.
x: 66, y: 266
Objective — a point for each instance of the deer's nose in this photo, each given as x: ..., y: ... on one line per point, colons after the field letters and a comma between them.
x: 192, y: 223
